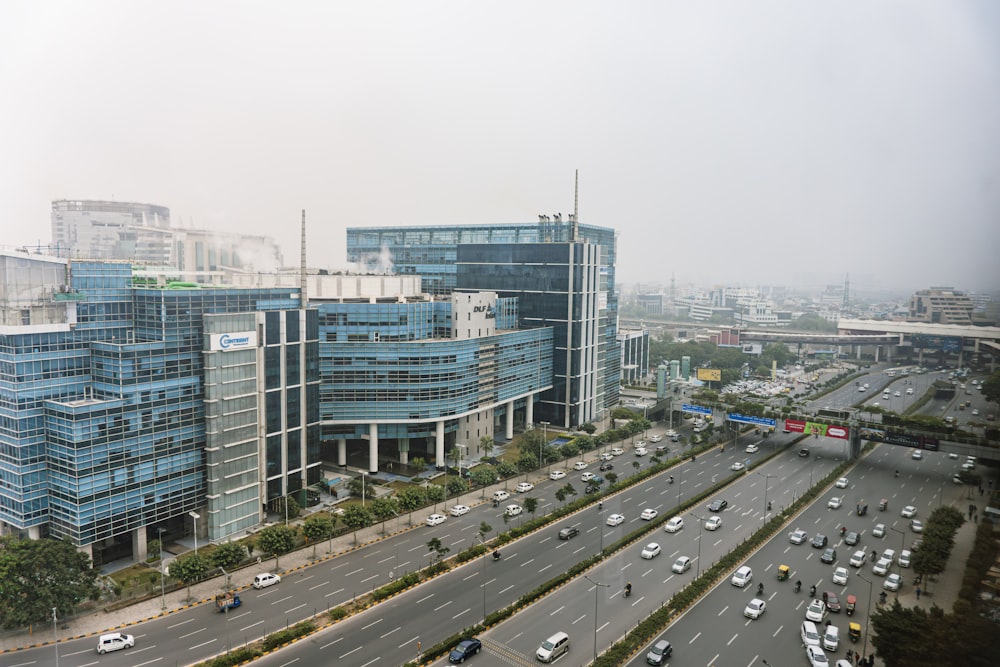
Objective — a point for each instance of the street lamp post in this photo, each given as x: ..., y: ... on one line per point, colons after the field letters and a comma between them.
x: 597, y: 587
x: 902, y: 541
x: 194, y: 515
x: 701, y: 523
x: 543, y: 443
x: 479, y: 536
x: 868, y: 620
x: 364, y: 486
x: 55, y: 633
x: 163, y: 595
x: 767, y: 479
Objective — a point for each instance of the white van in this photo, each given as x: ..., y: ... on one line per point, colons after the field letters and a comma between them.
x: 553, y: 647
x: 114, y: 641
x: 500, y: 495
x: 832, y: 638
x: 810, y: 636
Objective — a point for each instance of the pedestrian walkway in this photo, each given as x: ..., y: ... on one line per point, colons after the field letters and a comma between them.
x: 943, y: 591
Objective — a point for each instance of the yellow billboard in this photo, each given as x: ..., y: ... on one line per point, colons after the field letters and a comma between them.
x: 710, y: 374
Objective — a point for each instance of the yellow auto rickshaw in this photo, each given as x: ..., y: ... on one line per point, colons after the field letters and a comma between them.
x: 854, y: 632
x: 783, y: 572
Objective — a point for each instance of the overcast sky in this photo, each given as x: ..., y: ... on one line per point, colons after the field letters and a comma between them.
x: 755, y: 142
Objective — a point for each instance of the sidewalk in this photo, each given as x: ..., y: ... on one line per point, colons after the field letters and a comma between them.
x: 100, y: 622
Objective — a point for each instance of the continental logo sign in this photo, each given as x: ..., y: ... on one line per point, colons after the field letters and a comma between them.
x: 819, y: 428
x: 240, y: 340
x: 710, y: 374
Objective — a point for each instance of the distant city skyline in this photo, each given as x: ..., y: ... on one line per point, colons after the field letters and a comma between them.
x: 774, y: 142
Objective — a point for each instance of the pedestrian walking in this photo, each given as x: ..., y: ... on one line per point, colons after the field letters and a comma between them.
x: 918, y: 592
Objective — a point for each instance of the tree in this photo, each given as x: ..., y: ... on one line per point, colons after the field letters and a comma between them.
x: 318, y: 527
x: 189, y: 569
x: 505, y: 469
x: 531, y: 504
x: 38, y: 575
x: 276, y: 541
x: 991, y: 388
x: 228, y: 555
x: 528, y: 460
x: 355, y: 517
x: 636, y: 465
x: 435, y: 493
x: 485, y: 529
x: 361, y: 487
x: 569, y: 450
x: 612, y: 477
x: 457, y: 486
x: 418, y: 462
x: 483, y: 476
x: 384, y: 508
x: 437, y: 549
x: 412, y: 497
x: 279, y: 506
x: 486, y: 445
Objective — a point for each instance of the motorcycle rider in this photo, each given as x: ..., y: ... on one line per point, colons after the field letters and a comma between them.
x: 798, y: 585
x: 628, y: 589
x: 812, y: 591
x: 496, y: 554
x: 670, y: 480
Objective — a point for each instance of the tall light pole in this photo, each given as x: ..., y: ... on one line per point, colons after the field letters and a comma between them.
x: 194, y: 515
x: 597, y: 587
x: 479, y: 536
x: 545, y: 437
x: 701, y: 523
x: 767, y: 479
x: 364, y: 485
x: 868, y: 611
x: 902, y: 541
x: 55, y: 633
x: 163, y: 595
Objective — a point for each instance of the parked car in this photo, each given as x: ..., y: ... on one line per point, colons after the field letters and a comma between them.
x: 580, y: 465
x: 266, y: 579
x: 459, y: 510
x: 465, y: 648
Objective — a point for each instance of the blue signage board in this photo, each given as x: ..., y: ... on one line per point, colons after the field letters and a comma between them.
x: 746, y: 419
x: 695, y: 408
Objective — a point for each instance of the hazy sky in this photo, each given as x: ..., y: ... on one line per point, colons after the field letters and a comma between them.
x: 760, y: 142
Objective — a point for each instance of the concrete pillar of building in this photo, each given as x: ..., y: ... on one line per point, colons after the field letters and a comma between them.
x: 342, y: 451
x: 858, y: 355
x: 508, y: 427
x: 439, y: 444
x: 529, y: 410
x: 139, y: 552
x: 89, y: 550
x: 372, y: 448
x: 878, y: 348
x: 404, y: 451
x: 34, y: 532
x: 920, y: 356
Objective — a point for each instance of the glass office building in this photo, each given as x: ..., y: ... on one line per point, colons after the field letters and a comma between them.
x: 432, y: 252
x: 115, y: 415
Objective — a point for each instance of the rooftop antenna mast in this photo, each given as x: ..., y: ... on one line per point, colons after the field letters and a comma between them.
x: 847, y: 293
x: 302, y: 263
x: 576, y: 204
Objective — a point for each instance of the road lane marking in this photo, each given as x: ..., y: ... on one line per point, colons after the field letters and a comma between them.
x: 409, y: 642
x: 324, y: 583
x: 177, y: 625
x: 350, y: 652
x: 724, y: 610
x: 777, y: 631
x: 289, y: 611
x: 191, y: 634
x: 191, y: 648
x: 730, y: 642
x: 460, y: 613
x: 339, y: 590
x: 556, y: 611
x: 374, y: 576
x: 443, y: 606
x: 247, y: 627
x: 714, y: 661
x: 426, y: 598
x: 694, y: 638
x: 372, y: 624
x: 528, y: 562
x: 360, y: 569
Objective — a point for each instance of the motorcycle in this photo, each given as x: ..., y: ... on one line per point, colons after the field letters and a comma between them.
x: 812, y: 591
x: 798, y: 586
x: 628, y: 590
x: 670, y: 480
x: 496, y: 555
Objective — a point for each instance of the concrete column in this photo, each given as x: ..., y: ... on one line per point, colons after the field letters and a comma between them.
x: 372, y: 448
x: 508, y: 427
x: 139, y: 552
x: 342, y: 451
x: 404, y: 451
x: 858, y: 355
x: 529, y: 410
x: 439, y: 444
x: 89, y: 550
x: 878, y: 348
x: 34, y: 533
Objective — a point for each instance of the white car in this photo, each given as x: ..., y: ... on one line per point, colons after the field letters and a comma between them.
x: 580, y: 465
x: 892, y: 582
x: 916, y: 525
x: 615, y: 520
x: 606, y: 456
x: 114, y: 641
x: 909, y: 391
x: 882, y: 566
x: 816, y: 611
x: 896, y: 394
x: 524, y: 487
x: 513, y: 510
x: 587, y: 476
x: 842, y: 483
x: 798, y: 537
x: 737, y: 466
x: 916, y: 455
x: 840, y: 576
x: 755, y: 608
x: 816, y: 657
x: 713, y: 523
x: 835, y: 503
x: 617, y: 451
x: 648, y: 514
x: 909, y: 512
x: 500, y: 495
x: 675, y: 524
x: 557, y: 474
x: 742, y: 576
x: 435, y: 519
x: 858, y: 559
x: 266, y: 579
x: 655, y: 438
x: 878, y: 530
x: 459, y: 510
x: 651, y: 550
x: 681, y: 565
x: 904, y: 558
x: 641, y: 443
x: 752, y: 449
x: 641, y: 451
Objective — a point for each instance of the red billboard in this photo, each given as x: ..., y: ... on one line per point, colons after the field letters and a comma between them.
x: 829, y: 430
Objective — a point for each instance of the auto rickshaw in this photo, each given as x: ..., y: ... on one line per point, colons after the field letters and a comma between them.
x: 852, y: 601
x: 783, y: 572
x: 883, y: 505
x: 854, y: 632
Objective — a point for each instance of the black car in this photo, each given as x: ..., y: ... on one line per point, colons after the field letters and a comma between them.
x: 829, y: 555
x: 465, y: 648
x: 718, y: 505
x: 819, y: 541
x: 607, y: 465
x: 803, y: 452
x: 851, y: 538
x: 568, y: 532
